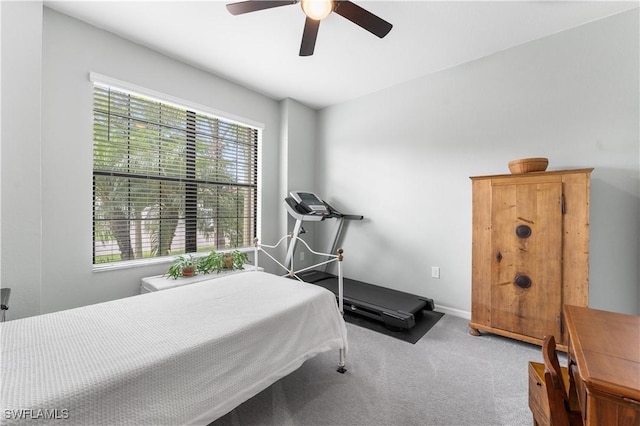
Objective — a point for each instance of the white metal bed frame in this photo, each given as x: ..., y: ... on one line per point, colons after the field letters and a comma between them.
x: 292, y: 273
x: 93, y: 396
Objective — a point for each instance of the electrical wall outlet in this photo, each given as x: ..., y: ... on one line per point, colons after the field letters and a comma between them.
x: 435, y: 272
x: 301, y: 256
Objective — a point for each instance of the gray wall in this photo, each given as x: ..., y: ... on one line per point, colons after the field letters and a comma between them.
x: 298, y: 140
x: 20, y: 167
x: 403, y: 156
x: 50, y: 267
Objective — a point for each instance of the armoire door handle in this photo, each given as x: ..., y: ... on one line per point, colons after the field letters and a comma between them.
x: 522, y: 281
x: 523, y: 231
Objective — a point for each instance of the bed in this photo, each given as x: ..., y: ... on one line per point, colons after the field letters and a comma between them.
x: 187, y: 355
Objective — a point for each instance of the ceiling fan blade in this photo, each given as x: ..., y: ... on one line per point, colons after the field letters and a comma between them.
x: 255, y: 5
x: 309, y: 37
x: 363, y: 18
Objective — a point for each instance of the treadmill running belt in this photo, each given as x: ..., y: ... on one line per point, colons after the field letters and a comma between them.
x: 371, y: 300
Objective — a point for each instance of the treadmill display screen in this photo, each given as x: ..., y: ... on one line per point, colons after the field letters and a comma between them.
x: 308, y: 198
x: 311, y: 202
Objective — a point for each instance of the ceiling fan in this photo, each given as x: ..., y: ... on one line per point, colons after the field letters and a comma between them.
x: 316, y: 10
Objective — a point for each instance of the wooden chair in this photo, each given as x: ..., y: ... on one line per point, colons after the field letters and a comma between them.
x: 555, y: 378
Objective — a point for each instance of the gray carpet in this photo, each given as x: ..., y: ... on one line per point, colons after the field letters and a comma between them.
x: 447, y: 378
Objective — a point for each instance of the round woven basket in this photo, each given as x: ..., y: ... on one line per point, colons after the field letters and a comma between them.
x: 528, y: 165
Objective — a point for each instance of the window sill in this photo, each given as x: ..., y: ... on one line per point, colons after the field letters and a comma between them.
x: 138, y: 263
x: 114, y: 266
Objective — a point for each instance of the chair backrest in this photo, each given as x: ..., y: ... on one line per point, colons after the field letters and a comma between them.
x: 552, y: 364
x: 557, y: 394
x: 558, y: 413
x: 4, y: 302
x: 4, y: 296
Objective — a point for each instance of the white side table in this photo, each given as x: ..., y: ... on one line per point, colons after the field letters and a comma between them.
x: 164, y: 282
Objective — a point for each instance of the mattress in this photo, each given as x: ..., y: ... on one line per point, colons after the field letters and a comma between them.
x: 186, y: 355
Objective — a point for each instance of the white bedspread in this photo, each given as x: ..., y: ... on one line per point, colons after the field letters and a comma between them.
x: 181, y: 356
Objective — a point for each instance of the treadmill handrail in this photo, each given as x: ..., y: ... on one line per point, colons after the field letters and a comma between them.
x: 291, y: 204
x: 299, y: 213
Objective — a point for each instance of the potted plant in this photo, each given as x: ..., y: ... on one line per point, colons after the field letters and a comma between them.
x: 238, y: 259
x: 210, y: 263
x: 185, y: 266
x: 220, y: 261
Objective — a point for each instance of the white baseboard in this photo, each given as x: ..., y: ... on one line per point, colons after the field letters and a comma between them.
x: 452, y: 311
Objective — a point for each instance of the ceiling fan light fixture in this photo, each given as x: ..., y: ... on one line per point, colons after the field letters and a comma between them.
x: 317, y: 9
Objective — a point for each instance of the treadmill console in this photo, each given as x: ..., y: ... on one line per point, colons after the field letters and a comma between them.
x: 310, y: 203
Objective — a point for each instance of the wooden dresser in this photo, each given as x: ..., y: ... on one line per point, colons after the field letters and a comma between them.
x: 530, y: 252
x: 604, y: 365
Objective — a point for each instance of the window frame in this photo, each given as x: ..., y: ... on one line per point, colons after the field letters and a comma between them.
x: 101, y: 80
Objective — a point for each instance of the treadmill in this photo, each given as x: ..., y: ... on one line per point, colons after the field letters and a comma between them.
x: 396, y: 309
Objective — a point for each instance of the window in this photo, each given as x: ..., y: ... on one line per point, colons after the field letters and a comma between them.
x: 168, y: 180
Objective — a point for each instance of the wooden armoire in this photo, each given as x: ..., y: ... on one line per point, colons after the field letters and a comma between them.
x: 530, y: 252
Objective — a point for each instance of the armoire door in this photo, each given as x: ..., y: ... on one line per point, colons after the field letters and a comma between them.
x: 526, y: 243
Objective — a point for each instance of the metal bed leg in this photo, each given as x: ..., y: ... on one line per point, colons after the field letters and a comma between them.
x: 341, y: 364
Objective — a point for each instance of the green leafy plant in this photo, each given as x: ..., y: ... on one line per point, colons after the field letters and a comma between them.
x: 213, y: 262
x: 239, y: 258
x: 186, y: 265
x: 183, y: 266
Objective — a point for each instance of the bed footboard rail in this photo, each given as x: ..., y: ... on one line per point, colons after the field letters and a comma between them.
x: 291, y: 272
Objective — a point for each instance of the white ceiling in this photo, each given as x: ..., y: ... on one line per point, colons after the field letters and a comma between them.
x: 260, y: 50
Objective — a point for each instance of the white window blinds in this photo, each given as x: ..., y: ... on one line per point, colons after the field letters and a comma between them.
x: 168, y: 180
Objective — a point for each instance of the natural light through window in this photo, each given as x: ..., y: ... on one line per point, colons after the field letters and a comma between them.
x: 169, y: 180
